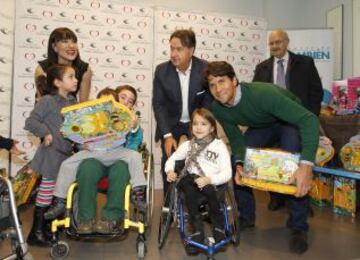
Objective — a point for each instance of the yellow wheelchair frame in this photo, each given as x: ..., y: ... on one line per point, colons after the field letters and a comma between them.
x: 60, y: 248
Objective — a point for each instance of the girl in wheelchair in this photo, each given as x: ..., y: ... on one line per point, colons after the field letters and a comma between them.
x: 207, y: 165
x: 127, y: 96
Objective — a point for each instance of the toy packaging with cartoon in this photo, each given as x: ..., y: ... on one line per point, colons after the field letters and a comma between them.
x: 100, y: 124
x: 270, y: 169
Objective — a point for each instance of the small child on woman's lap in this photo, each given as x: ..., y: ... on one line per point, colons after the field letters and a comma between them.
x: 207, y: 165
x: 44, y: 122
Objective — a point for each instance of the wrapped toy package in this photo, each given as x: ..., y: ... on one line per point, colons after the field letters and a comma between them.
x: 344, y: 196
x: 321, y: 192
x: 100, y: 124
x: 270, y: 170
x: 23, y: 184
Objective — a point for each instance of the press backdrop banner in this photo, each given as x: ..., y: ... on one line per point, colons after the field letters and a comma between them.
x: 123, y: 44
x: 115, y: 39
x: 7, y: 13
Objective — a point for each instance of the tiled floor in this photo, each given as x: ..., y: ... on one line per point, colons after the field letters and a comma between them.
x: 331, y: 237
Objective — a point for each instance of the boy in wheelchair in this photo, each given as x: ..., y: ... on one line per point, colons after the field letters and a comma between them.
x: 104, y: 161
x: 207, y: 166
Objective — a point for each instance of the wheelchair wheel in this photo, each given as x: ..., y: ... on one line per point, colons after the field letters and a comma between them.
x: 150, y: 191
x: 60, y: 250
x: 167, y: 213
x: 233, y: 215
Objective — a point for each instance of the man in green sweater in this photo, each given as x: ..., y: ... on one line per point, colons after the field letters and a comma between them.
x: 274, y: 116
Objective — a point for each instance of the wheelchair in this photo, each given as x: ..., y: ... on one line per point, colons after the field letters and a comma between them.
x: 137, y: 214
x: 173, y: 213
x: 10, y: 226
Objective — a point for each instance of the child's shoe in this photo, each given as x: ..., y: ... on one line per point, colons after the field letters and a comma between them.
x: 218, y: 234
x: 196, y: 237
x: 56, y: 210
x: 106, y: 226
x: 85, y: 226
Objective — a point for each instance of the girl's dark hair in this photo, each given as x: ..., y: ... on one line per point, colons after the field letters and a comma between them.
x: 59, y: 34
x: 203, y: 112
x: 56, y: 71
x: 129, y: 88
x: 108, y: 92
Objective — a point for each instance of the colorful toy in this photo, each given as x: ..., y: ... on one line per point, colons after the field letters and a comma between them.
x: 270, y: 169
x: 325, y: 151
x: 350, y: 154
x: 344, y: 196
x: 321, y: 192
x: 102, y: 123
x: 23, y: 183
x: 346, y: 96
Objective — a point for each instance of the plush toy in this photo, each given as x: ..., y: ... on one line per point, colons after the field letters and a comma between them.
x: 325, y: 151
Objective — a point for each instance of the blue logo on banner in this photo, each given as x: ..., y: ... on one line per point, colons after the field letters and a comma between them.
x: 316, y: 55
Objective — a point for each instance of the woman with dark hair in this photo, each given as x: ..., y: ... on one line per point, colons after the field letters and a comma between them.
x: 63, y: 49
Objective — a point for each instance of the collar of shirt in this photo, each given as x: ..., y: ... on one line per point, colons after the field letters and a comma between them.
x: 187, y: 71
x: 285, y: 58
x: 237, y: 97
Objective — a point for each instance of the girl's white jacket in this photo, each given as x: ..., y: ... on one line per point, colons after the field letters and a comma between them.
x: 214, y: 160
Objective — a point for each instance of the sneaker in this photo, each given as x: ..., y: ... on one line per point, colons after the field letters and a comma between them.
x: 218, y: 234
x: 298, y: 242
x: 56, y: 210
x: 85, y: 227
x: 106, y: 226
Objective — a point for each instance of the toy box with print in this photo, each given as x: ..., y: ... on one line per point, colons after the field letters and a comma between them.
x: 345, y: 194
x: 270, y: 169
x: 346, y: 96
x: 100, y: 124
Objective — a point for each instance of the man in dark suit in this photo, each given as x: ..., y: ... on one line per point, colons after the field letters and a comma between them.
x: 294, y: 72
x: 178, y: 89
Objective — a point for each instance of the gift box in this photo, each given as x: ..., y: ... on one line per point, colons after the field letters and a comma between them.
x: 344, y: 196
x: 100, y: 124
x: 322, y: 191
x: 270, y: 169
x: 346, y: 96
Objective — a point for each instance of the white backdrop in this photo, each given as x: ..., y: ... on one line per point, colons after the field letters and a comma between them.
x: 6, y: 64
x: 123, y: 44
x: 115, y: 39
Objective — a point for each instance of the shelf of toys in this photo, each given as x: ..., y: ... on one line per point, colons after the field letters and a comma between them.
x: 338, y: 185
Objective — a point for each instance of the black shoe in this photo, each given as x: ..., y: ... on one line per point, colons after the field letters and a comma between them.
x: 275, y: 204
x: 56, y: 210
x: 245, y: 224
x: 218, y: 234
x: 298, y: 242
x: 37, y: 236
x: 197, y: 237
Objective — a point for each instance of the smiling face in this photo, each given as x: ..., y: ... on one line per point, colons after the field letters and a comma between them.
x: 201, y: 127
x: 127, y: 98
x: 67, y: 51
x: 278, y: 43
x: 180, y: 55
x: 223, y: 88
x: 68, y: 83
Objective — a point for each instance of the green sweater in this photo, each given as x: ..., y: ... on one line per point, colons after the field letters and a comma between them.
x: 261, y: 105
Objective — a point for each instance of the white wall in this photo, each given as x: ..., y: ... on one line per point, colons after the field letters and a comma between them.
x: 316, y: 17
